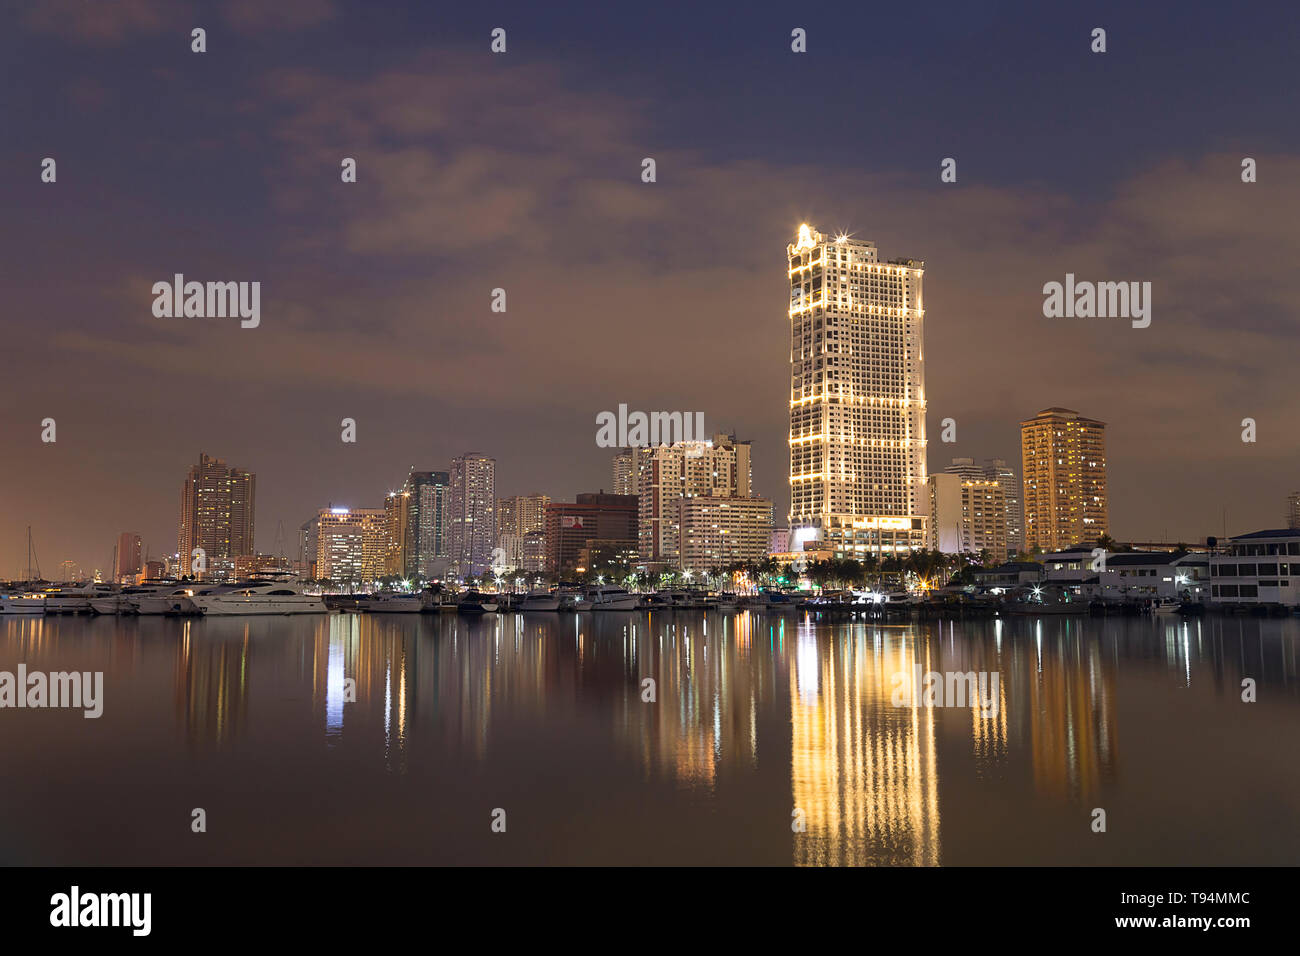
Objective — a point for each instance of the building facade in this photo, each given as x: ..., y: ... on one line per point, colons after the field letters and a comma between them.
x: 218, y: 506
x: 719, y: 467
x: 1063, y: 458
x: 716, y: 531
x: 1258, y: 568
x: 351, y: 546
x: 518, y: 517
x: 427, y: 540
x: 1004, y: 474
x: 570, y: 526
x: 129, y: 556
x: 473, y: 514
x: 857, y: 398
x: 625, y: 472
x: 967, y: 514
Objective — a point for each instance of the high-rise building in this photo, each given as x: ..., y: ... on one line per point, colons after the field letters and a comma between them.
x: 1005, y: 474
x: 217, y: 516
x: 967, y: 515
x: 995, y: 469
x: 352, y: 545
x: 1293, y: 510
x: 625, y: 467
x: 397, y: 512
x: 129, y: 556
x: 427, y: 547
x: 473, y: 522
x: 720, y: 531
x: 857, y: 398
x: 1064, y: 467
x: 965, y: 468
x: 719, y: 467
x: 518, y: 517
x: 571, y: 527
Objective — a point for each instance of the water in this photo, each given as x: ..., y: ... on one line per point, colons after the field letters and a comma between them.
x: 541, y: 716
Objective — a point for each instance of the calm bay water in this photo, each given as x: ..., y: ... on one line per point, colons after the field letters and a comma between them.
x: 756, y: 715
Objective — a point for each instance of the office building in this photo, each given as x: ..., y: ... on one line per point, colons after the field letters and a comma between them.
x: 570, y: 526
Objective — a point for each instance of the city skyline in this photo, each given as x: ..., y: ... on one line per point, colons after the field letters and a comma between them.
x: 376, y: 304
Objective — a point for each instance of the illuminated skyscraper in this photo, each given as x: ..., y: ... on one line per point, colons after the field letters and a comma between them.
x: 995, y: 469
x: 625, y: 472
x: 521, y: 530
x: 397, y: 511
x: 217, y: 515
x: 427, y: 546
x: 719, y: 467
x: 1064, y: 457
x: 351, y: 545
x: 1000, y: 471
x: 857, y: 398
x: 473, y: 521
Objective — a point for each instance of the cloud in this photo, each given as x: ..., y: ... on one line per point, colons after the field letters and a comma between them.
x: 106, y: 24
x: 112, y: 22
x: 251, y: 16
x: 473, y: 174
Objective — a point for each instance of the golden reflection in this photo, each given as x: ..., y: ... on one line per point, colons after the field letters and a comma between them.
x: 862, y: 771
x: 211, y: 685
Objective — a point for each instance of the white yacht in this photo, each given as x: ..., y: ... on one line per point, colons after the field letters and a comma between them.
x: 174, y: 599
x: 127, y: 601
x: 541, y: 601
x: 257, y: 597
x: 609, y: 598
x: 75, y: 598
x: 387, y: 602
x: 23, y: 602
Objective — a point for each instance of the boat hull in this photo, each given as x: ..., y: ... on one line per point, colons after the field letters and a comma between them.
x: 241, y: 608
x: 540, y: 604
x: 22, y: 605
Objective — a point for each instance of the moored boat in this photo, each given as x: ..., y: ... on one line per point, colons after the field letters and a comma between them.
x: 541, y: 601
x: 1045, y: 599
x: 75, y: 598
x: 257, y: 597
x: 606, y: 597
x: 388, y: 602
x: 475, y: 602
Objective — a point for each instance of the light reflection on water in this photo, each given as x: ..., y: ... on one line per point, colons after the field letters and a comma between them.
x: 395, y: 730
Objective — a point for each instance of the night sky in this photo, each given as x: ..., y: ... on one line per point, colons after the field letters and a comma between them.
x: 522, y: 171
